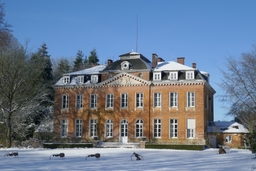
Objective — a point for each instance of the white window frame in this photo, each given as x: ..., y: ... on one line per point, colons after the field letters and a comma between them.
x: 79, y: 101
x: 173, y: 128
x: 139, y: 128
x: 64, y: 128
x: 191, y: 126
x: 157, y: 131
x: 124, y: 100
x: 78, y: 127
x: 228, y: 139
x: 190, y: 75
x: 109, y: 129
x: 173, y: 75
x: 94, y: 78
x: 66, y: 79
x: 157, y: 99
x: 157, y: 76
x: 93, y: 128
x: 65, y: 101
x: 191, y: 99
x: 93, y: 101
x: 80, y: 79
x: 139, y: 100
x: 109, y: 100
x: 173, y: 99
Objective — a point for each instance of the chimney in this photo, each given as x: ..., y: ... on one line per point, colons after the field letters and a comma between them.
x: 181, y: 60
x: 110, y: 61
x: 154, y: 60
x: 194, y: 65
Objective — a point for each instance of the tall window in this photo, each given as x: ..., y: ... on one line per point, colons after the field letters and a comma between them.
x: 79, y: 101
x: 139, y: 100
x: 110, y: 101
x: 173, y: 99
x: 78, y: 127
x: 157, y: 76
x: 109, y: 128
x: 139, y: 128
x: 64, y: 128
x: 191, y: 125
x: 157, y: 128
x: 124, y: 100
x: 157, y: 99
x: 173, y: 128
x: 190, y: 99
x: 65, y: 100
x: 93, y: 101
x: 93, y: 128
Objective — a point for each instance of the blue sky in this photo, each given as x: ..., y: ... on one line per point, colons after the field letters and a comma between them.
x: 202, y: 31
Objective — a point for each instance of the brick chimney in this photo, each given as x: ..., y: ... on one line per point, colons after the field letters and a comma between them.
x: 194, y: 65
x: 110, y: 61
x: 181, y: 60
x: 154, y: 60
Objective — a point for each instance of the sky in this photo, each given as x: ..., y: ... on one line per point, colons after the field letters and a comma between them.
x: 118, y: 159
x: 204, y: 32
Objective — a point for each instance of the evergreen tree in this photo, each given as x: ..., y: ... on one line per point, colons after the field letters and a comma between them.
x: 78, y: 63
x: 62, y: 68
x: 93, y: 58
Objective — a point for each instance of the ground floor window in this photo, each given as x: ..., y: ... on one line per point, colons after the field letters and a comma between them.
x: 64, y: 128
x: 78, y: 127
x: 191, y: 128
x: 109, y: 128
x: 157, y: 128
x: 173, y: 128
x: 228, y: 139
x: 139, y: 128
x: 93, y: 128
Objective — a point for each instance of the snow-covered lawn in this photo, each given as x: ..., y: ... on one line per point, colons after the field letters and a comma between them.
x: 119, y: 159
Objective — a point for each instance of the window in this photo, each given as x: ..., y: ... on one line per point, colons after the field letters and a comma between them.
x: 189, y: 75
x: 139, y: 128
x: 173, y: 128
x: 157, y: 99
x: 109, y: 128
x: 139, y: 100
x: 124, y: 100
x: 79, y: 101
x: 94, y: 78
x: 191, y: 128
x: 80, y: 79
x: 93, y: 128
x: 93, y: 101
x: 125, y: 65
x: 173, y: 99
x: 78, y: 127
x: 65, y: 100
x: 64, y: 128
x: 66, y: 79
x: 173, y: 75
x: 157, y: 76
x: 109, y: 101
x: 228, y: 139
x: 157, y: 128
x: 190, y: 99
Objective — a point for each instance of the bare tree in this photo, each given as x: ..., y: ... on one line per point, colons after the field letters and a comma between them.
x: 5, y: 32
x: 239, y: 85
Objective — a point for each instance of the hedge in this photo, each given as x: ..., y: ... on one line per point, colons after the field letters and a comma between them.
x: 67, y: 145
x: 175, y: 146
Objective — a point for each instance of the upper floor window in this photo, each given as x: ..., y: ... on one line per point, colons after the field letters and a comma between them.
x: 109, y: 101
x: 79, y: 101
x: 124, y: 100
x: 173, y: 75
x: 80, y: 79
x: 190, y: 99
x: 139, y: 100
x: 157, y: 99
x: 157, y: 76
x: 65, y: 100
x: 93, y: 101
x: 66, y: 79
x: 189, y: 75
x: 94, y: 78
x: 173, y: 99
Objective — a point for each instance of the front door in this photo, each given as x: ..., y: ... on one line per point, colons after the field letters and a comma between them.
x: 124, y: 131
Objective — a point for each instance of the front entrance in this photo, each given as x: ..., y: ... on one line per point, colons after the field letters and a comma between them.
x: 124, y: 131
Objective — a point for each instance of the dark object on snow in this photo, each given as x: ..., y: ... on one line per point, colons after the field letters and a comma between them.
x: 15, y: 154
x: 61, y: 155
x: 96, y: 155
x: 138, y: 157
x: 221, y: 150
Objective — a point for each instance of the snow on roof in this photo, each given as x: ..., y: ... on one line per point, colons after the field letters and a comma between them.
x: 92, y: 70
x: 227, y: 127
x: 171, y: 65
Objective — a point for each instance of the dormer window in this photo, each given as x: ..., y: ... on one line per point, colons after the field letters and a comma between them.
x: 94, y: 78
x: 157, y: 76
x: 80, y: 79
x: 125, y: 65
x: 66, y: 79
x: 189, y: 75
x: 173, y: 75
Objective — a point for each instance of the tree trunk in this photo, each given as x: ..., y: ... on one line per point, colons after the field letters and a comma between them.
x: 9, y: 132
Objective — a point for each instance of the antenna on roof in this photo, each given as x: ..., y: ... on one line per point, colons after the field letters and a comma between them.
x: 137, y: 35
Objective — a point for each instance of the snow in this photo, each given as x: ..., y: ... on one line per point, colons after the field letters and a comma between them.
x: 119, y: 159
x: 227, y: 127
